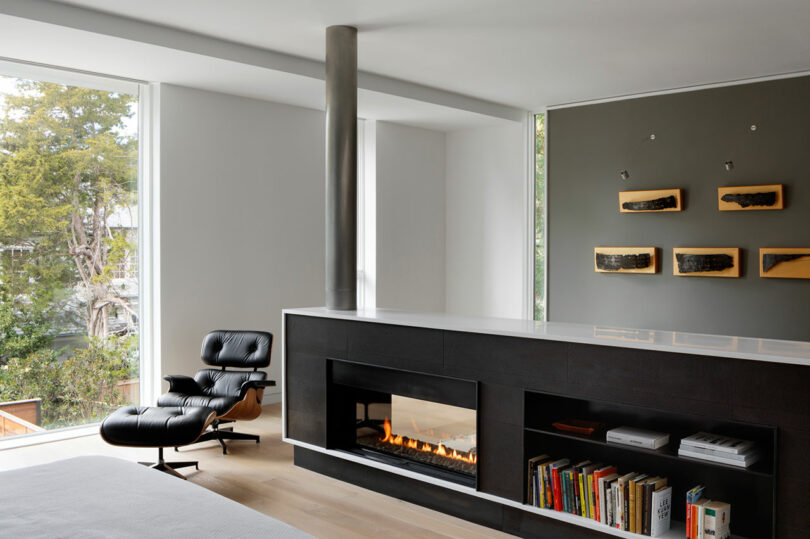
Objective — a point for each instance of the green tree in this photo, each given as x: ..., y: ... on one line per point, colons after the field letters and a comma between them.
x: 78, y: 389
x: 539, y: 217
x: 65, y: 169
x: 24, y: 329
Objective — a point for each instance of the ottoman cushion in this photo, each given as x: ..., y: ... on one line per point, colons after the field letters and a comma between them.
x: 147, y: 426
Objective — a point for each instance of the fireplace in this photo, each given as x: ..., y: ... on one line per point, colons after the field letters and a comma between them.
x: 423, y: 423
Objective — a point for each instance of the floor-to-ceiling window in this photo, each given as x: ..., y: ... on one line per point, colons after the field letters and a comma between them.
x: 69, y: 283
x: 540, y: 217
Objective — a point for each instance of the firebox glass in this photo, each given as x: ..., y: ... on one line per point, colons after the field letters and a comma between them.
x: 427, y: 432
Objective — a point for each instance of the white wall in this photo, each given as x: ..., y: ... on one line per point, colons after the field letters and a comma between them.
x: 485, y: 230
x: 410, y: 218
x: 242, y: 218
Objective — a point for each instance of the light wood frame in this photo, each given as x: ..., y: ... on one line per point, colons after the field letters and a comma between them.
x: 641, y: 196
x: 789, y: 269
x: 733, y: 271
x: 777, y: 188
x: 652, y: 251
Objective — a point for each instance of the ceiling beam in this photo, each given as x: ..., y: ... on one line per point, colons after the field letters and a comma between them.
x: 97, y: 22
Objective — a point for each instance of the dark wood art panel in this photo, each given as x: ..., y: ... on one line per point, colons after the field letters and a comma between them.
x: 658, y: 200
x: 500, y: 457
x: 751, y: 197
x: 395, y: 346
x: 625, y: 259
x: 706, y: 261
x: 309, y: 341
x: 508, y: 361
x: 784, y: 262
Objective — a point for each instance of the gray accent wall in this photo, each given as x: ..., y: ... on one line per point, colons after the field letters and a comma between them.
x: 695, y: 133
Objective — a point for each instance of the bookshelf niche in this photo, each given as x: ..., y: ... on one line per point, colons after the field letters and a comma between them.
x: 750, y: 491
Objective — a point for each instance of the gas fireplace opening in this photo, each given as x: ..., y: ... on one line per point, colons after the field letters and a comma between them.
x: 427, y: 432
x: 420, y: 422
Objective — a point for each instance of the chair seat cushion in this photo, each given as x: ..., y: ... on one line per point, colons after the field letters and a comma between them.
x: 148, y: 426
x: 220, y: 405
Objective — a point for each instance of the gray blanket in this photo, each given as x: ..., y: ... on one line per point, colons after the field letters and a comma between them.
x: 108, y: 497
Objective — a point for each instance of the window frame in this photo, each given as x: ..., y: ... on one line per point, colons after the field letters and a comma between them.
x: 148, y: 226
x: 531, y: 224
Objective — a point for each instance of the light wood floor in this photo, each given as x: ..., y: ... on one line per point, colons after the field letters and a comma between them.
x: 263, y: 477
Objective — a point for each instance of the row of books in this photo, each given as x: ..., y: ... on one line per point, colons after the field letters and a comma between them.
x: 638, y: 503
x: 706, y: 518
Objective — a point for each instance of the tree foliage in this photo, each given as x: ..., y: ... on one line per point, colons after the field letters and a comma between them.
x: 66, y: 172
x: 539, y: 217
x: 78, y: 389
x: 65, y: 169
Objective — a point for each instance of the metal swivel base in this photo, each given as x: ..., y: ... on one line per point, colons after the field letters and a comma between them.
x: 227, y: 433
x: 170, y: 467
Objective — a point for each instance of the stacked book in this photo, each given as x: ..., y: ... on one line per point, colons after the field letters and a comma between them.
x: 722, y: 449
x: 638, y: 503
x: 706, y: 518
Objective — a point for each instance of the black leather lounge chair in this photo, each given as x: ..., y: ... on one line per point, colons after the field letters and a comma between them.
x: 232, y: 394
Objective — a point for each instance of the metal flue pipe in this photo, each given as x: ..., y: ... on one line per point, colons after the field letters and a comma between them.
x: 341, y: 168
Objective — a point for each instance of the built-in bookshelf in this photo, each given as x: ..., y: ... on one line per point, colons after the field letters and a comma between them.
x: 750, y: 491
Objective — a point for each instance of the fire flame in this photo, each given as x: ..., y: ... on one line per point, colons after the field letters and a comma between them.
x: 440, y: 450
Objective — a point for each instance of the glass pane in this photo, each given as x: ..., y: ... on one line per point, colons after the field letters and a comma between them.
x: 436, y: 434
x: 68, y: 254
x: 540, y: 218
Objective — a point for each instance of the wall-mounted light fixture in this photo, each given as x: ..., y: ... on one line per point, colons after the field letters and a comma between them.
x: 729, y: 165
x: 624, y: 174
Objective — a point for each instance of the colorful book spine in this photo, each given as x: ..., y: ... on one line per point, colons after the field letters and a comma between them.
x: 564, y: 490
x: 557, y: 489
x: 631, y: 494
x: 537, y: 499
x: 626, y: 507
x: 582, y: 502
x: 591, y: 498
x: 692, y: 496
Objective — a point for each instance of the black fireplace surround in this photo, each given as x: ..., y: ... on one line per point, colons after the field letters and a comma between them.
x: 514, y: 383
x: 354, y: 389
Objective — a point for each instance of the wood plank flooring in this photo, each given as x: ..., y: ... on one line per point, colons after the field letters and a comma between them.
x: 264, y: 478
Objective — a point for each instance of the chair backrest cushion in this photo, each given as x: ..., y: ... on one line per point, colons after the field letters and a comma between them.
x: 246, y: 349
x: 218, y: 383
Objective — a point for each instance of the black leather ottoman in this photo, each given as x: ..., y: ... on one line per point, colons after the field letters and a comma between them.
x: 149, y: 426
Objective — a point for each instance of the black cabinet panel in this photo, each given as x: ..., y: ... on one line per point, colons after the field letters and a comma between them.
x: 774, y: 387
x: 647, y: 378
x: 309, y: 341
x: 532, y: 526
x: 500, y: 442
x: 506, y: 360
x: 400, y: 347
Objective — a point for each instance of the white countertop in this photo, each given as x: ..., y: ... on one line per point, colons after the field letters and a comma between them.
x: 770, y: 350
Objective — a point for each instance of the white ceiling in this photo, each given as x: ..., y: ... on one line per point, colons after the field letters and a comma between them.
x: 33, y: 38
x: 523, y: 53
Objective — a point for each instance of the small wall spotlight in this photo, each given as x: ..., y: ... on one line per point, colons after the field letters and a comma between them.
x: 729, y: 165
x: 624, y: 174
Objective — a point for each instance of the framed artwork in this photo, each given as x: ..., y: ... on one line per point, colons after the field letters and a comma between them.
x: 751, y: 197
x: 651, y: 201
x: 784, y: 263
x: 706, y: 261
x: 625, y: 259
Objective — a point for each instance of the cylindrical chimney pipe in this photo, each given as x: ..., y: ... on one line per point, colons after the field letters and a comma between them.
x: 341, y: 168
